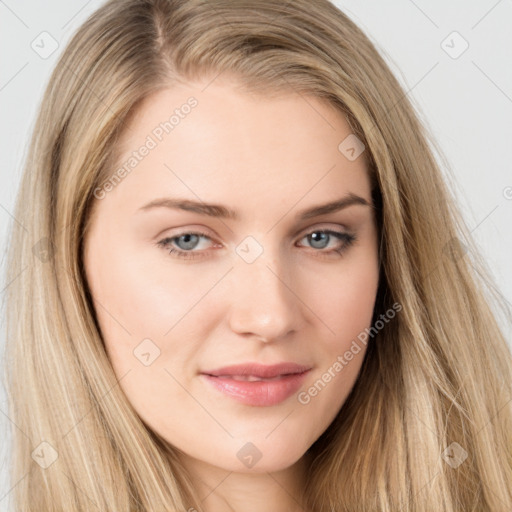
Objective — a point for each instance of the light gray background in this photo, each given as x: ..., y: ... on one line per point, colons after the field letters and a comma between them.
x: 466, y: 103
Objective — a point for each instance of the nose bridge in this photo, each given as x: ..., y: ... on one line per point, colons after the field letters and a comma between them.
x: 262, y: 302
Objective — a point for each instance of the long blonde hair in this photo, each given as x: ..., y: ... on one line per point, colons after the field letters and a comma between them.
x: 439, y: 373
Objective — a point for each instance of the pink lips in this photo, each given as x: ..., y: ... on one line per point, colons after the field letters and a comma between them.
x: 241, y: 382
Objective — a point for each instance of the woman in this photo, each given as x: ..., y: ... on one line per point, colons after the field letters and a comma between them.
x: 259, y: 369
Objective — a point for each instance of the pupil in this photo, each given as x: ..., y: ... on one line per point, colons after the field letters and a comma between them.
x: 187, y: 239
x: 317, y: 238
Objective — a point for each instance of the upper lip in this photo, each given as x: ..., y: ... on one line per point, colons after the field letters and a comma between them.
x: 259, y: 370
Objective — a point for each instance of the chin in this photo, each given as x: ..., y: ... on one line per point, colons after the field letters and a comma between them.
x: 265, y: 456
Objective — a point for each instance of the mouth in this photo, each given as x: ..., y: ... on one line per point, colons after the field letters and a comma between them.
x: 255, y: 390
x: 251, y: 378
x: 258, y: 371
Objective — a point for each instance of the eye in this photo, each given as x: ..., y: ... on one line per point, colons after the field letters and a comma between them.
x: 188, y: 241
x: 183, y: 245
x: 320, y: 238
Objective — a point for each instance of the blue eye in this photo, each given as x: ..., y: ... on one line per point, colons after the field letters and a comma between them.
x: 345, y: 241
x: 189, y: 241
x: 326, y: 235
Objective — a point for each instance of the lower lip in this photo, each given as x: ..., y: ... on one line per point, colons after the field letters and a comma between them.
x: 260, y: 393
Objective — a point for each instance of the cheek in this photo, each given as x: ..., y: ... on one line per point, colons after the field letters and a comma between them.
x: 350, y: 309
x: 345, y: 305
x: 141, y: 307
x: 347, y: 309
x: 346, y: 299
x: 135, y: 298
x: 146, y: 316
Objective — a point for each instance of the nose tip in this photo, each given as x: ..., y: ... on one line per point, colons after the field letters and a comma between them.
x: 263, y: 304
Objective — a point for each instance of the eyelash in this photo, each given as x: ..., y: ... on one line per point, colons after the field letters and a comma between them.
x: 348, y: 239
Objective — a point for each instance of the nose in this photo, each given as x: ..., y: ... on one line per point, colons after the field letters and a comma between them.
x: 263, y: 303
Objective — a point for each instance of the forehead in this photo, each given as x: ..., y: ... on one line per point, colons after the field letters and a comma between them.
x: 215, y: 142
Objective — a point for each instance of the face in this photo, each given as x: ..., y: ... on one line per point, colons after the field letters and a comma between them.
x: 182, y: 292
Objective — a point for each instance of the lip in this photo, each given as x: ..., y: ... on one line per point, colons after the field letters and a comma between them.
x: 287, y: 379
x: 259, y: 370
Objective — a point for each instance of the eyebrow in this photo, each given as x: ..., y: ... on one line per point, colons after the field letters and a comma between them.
x: 220, y: 211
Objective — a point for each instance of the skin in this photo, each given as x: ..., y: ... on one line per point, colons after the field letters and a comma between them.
x: 267, y: 158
